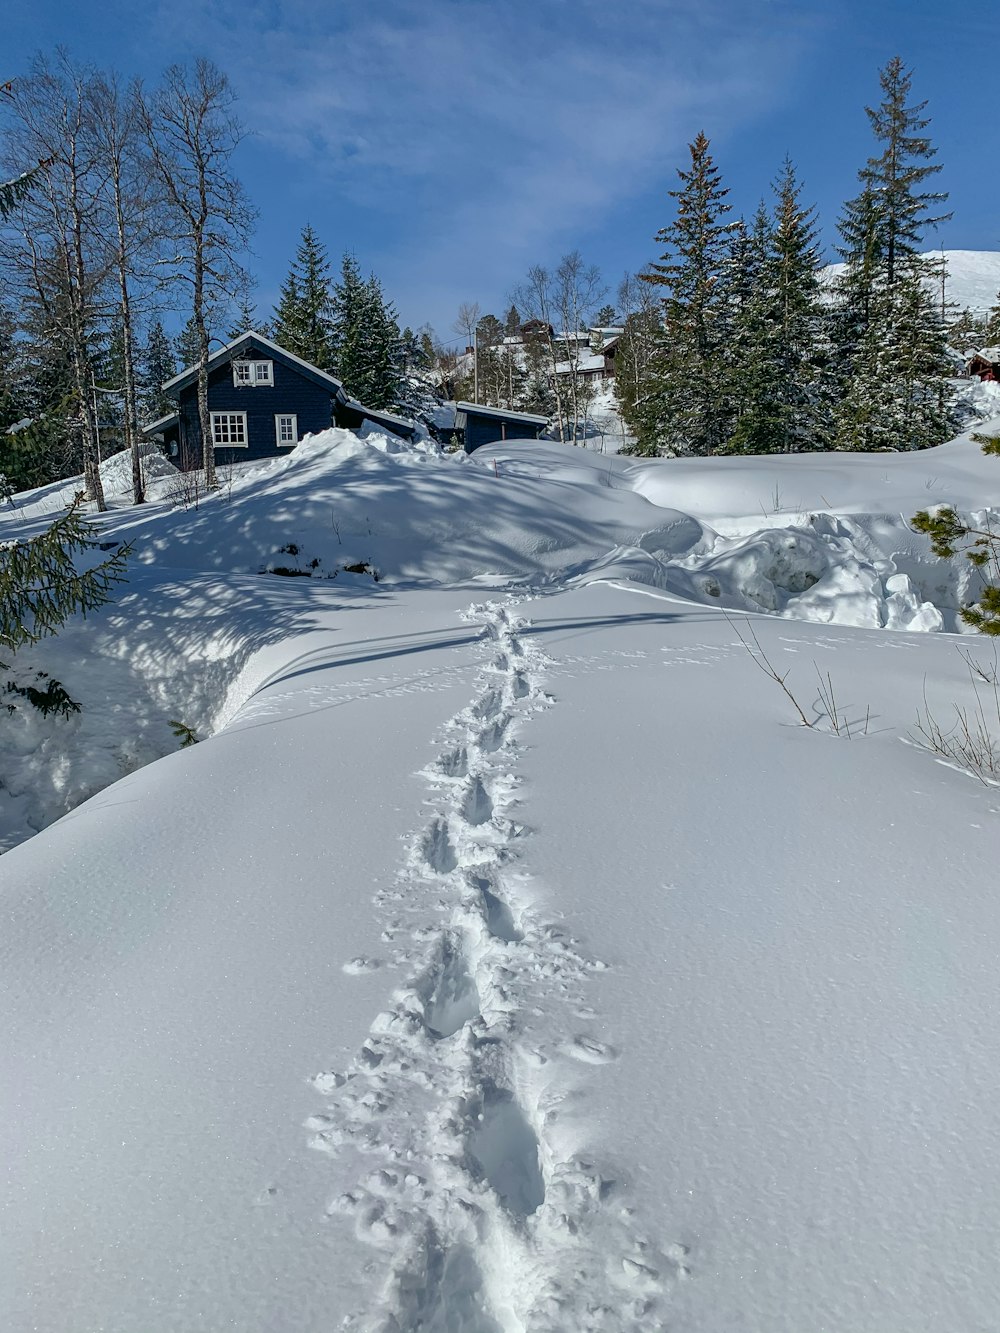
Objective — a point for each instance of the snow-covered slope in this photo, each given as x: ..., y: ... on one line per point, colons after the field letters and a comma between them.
x: 972, y: 279
x: 509, y: 957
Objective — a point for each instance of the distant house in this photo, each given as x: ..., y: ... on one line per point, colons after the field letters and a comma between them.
x: 594, y: 358
x: 985, y: 363
x: 262, y: 400
x: 476, y: 425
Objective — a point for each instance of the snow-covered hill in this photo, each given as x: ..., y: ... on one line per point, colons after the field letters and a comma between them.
x: 508, y: 956
x: 972, y: 278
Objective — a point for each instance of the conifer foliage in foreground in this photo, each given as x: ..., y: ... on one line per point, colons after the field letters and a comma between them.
x: 40, y: 586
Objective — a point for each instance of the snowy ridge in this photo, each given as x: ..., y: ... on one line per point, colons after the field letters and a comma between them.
x: 466, y: 1186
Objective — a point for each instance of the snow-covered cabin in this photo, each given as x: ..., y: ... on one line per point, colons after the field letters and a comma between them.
x: 262, y: 400
x: 477, y: 425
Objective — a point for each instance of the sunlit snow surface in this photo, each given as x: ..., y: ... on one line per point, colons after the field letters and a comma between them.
x: 507, y: 957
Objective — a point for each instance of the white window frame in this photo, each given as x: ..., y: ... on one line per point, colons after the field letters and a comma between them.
x: 279, y: 417
x: 229, y: 418
x: 249, y: 374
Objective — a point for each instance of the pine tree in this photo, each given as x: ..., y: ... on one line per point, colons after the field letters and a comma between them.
x: 896, y: 176
x: 157, y: 364
x: 896, y: 398
x: 605, y: 317
x: 753, y: 348
x: 186, y: 345
x: 386, y: 367
x: 247, y: 320
x: 991, y: 328
x: 40, y: 585
x: 889, y: 336
x: 366, y: 341
x: 681, y: 406
x: 778, y: 344
x: 304, y: 314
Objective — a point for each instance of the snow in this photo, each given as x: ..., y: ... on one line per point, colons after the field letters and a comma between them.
x: 972, y: 280
x: 506, y: 956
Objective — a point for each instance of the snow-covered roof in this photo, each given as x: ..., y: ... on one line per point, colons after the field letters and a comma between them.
x: 479, y: 410
x: 584, y: 363
x: 987, y: 353
x: 377, y: 413
x: 189, y: 375
x: 161, y: 424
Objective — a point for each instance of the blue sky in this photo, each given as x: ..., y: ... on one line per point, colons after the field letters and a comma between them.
x: 450, y: 144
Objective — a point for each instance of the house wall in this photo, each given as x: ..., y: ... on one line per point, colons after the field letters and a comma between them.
x: 488, y: 430
x: 290, y: 393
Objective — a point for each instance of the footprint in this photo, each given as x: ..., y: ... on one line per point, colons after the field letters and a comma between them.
x: 519, y: 686
x: 454, y: 764
x: 436, y: 849
x: 492, y: 736
x: 451, y: 997
x: 489, y: 705
x: 589, y: 1050
x: 477, y: 804
x: 504, y: 1147
x: 499, y: 918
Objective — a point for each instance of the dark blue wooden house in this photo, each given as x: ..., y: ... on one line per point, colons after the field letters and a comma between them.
x: 477, y: 425
x: 262, y: 400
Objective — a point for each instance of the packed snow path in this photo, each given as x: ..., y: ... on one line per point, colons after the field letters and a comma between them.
x: 482, y: 1224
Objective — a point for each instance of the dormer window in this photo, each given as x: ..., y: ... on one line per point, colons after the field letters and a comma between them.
x: 253, y: 374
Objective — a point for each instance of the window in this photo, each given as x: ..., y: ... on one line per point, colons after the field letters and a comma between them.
x: 286, y: 429
x: 251, y: 374
x: 229, y: 430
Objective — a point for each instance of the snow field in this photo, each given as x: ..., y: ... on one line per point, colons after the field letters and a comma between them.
x: 477, y: 1203
x: 521, y: 965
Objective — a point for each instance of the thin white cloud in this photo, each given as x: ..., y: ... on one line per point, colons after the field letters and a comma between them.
x: 493, y: 131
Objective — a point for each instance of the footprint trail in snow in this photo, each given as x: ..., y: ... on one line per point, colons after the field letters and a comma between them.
x: 488, y: 1219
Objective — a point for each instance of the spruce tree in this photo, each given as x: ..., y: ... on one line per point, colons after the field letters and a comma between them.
x: 41, y: 586
x: 779, y: 341
x: 186, y: 345
x: 891, y: 351
x: 896, y: 398
x: 896, y: 177
x: 304, y: 314
x: 366, y: 342
x: 247, y: 320
x: 157, y: 364
x: 753, y: 345
x: 682, y: 406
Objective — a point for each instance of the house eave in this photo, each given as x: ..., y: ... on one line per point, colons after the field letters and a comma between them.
x: 478, y: 408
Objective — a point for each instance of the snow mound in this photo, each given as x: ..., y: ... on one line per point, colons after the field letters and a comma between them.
x: 826, y: 571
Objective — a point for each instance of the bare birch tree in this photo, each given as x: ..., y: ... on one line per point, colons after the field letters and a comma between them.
x: 192, y: 133
x: 129, y: 215
x: 466, y: 322
x: 560, y: 303
x: 51, y: 248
